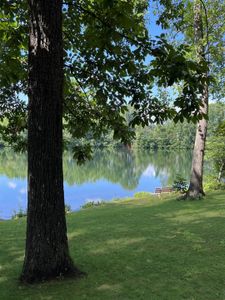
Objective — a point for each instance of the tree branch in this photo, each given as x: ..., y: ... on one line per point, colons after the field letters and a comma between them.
x: 207, y: 28
x: 79, y: 83
x: 93, y: 14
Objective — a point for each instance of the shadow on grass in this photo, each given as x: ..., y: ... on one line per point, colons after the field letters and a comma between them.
x: 168, y: 250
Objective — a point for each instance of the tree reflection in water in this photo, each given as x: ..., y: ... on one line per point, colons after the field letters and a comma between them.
x: 110, y: 174
x: 124, y: 167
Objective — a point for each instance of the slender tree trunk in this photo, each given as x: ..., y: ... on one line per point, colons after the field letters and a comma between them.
x: 220, y: 172
x: 46, y: 253
x: 196, y: 181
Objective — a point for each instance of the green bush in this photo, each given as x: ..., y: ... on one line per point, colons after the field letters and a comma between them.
x: 211, y: 183
x: 93, y: 204
x: 180, y: 184
x: 20, y: 214
x: 68, y: 209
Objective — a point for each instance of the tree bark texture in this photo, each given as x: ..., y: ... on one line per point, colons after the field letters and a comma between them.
x: 46, y: 252
x: 196, y: 181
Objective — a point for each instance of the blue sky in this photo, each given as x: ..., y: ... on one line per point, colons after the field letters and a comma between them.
x: 151, y: 19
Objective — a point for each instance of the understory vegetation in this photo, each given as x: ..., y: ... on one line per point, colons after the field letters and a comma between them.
x: 142, y: 248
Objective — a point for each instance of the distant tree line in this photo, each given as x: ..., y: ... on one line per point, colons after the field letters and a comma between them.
x: 177, y: 136
x: 166, y: 136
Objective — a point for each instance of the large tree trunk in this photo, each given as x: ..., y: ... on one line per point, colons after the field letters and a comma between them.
x: 46, y: 253
x: 196, y: 182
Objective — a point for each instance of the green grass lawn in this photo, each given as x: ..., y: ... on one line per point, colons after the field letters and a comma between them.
x: 147, y: 248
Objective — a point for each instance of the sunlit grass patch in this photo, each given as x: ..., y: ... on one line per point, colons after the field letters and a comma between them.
x: 141, y: 248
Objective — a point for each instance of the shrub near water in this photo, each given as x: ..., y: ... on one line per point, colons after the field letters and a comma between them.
x: 93, y: 204
x: 180, y: 184
x: 68, y: 209
x: 20, y: 214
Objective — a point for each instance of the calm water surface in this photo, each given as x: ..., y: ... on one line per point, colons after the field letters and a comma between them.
x: 111, y: 174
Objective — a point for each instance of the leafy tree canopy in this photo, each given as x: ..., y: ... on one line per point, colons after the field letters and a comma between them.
x: 106, y: 46
x: 213, y: 40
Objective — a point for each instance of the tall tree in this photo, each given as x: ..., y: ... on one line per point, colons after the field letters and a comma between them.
x: 207, y: 40
x: 210, y: 43
x: 196, y: 180
x: 46, y: 252
x: 105, y: 47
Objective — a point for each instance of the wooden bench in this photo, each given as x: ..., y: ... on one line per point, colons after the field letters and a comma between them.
x: 158, y: 191
x: 167, y: 189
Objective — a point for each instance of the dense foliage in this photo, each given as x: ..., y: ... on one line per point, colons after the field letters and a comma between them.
x: 216, y: 151
x: 167, y: 135
x: 180, y: 135
x: 106, y: 44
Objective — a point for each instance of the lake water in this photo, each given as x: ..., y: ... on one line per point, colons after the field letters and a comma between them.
x: 111, y: 174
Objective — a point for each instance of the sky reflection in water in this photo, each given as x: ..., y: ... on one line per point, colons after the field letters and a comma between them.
x: 111, y: 174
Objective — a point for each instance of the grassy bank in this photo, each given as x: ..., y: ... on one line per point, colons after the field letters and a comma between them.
x: 132, y: 249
